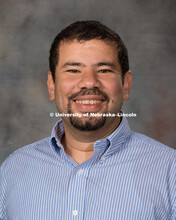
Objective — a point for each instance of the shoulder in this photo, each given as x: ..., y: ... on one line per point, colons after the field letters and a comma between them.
x: 141, y: 138
x: 148, y: 146
x: 30, y: 148
x: 26, y: 155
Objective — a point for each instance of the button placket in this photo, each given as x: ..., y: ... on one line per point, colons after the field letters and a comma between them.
x: 76, y: 194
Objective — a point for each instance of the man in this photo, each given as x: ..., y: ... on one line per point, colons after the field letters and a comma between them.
x: 93, y: 166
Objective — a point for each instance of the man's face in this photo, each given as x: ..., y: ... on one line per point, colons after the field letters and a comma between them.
x: 88, y: 79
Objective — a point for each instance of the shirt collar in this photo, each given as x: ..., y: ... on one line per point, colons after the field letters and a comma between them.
x: 118, y: 137
x: 111, y: 143
x: 57, y: 133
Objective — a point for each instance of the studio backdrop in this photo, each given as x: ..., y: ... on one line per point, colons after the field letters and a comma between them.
x: 27, y: 29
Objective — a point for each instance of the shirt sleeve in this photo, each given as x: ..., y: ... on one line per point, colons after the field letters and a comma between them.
x: 173, y: 189
x: 2, y: 197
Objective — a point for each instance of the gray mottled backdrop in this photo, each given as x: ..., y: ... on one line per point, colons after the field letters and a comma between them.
x: 27, y: 29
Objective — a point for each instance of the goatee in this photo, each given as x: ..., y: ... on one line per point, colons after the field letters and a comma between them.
x: 87, y: 123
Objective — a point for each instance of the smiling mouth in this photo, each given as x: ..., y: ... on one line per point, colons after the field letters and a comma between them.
x: 88, y: 102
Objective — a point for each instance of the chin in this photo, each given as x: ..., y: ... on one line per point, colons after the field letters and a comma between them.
x: 88, y: 124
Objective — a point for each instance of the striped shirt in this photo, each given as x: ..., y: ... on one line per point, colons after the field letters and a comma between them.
x: 129, y: 177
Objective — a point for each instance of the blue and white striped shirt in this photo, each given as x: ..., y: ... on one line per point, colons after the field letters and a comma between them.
x: 129, y: 177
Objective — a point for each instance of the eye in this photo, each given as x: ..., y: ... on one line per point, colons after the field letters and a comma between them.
x: 73, y: 71
x: 105, y: 71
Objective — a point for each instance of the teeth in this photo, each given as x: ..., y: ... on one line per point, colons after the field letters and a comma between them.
x: 88, y: 102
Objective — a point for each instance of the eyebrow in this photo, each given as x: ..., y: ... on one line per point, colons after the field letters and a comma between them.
x: 73, y: 64
x: 105, y: 64
x: 83, y: 65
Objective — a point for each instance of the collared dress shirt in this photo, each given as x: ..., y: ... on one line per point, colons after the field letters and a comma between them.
x: 129, y: 177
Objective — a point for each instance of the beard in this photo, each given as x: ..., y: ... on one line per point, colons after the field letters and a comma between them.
x: 87, y: 123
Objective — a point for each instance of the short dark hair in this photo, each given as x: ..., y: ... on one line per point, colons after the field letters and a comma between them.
x: 88, y: 30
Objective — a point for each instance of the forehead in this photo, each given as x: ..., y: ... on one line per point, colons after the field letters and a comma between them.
x: 77, y: 43
x: 92, y: 49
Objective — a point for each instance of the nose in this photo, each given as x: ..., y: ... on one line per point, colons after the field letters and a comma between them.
x: 89, y: 80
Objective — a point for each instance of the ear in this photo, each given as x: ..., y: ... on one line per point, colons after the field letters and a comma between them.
x: 51, y: 86
x: 127, y: 85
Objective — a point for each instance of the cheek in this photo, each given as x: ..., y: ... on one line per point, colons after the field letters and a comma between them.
x: 114, y: 88
x: 65, y: 87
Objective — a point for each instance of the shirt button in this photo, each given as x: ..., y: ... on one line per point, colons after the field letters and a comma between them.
x: 75, y: 212
x: 80, y: 172
x: 103, y: 159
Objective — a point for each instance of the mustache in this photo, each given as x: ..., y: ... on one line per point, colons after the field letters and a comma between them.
x: 85, y: 91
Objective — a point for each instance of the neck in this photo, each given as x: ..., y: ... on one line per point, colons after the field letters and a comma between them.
x: 79, y: 144
x: 79, y: 151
